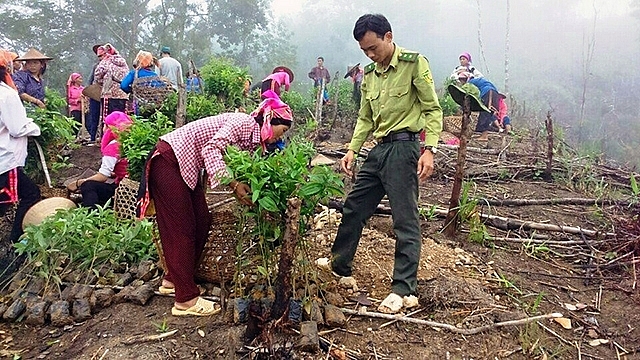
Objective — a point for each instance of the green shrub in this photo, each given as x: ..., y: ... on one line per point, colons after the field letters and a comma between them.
x: 275, y: 179
x: 225, y: 80
x: 137, y: 141
x: 198, y: 106
x: 56, y: 132
x: 449, y: 107
x: 347, y: 108
x: 299, y: 103
x: 86, y: 240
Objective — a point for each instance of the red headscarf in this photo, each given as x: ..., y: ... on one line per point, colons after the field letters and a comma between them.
x: 271, y: 108
x: 72, y: 78
x: 106, y: 49
x: 120, y: 121
x: 6, y: 61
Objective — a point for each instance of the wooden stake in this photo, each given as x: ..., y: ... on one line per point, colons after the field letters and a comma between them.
x: 452, y: 221
x: 549, y: 125
x: 283, y: 286
x: 181, y: 111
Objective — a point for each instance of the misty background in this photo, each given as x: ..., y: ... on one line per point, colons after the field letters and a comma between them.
x: 575, y: 58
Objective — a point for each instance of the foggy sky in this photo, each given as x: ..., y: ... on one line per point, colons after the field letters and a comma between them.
x: 548, y: 39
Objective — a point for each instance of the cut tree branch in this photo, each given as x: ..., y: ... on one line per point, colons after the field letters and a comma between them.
x: 449, y: 327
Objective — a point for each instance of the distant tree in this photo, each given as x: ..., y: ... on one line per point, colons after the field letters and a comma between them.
x: 234, y: 24
x: 179, y: 24
x: 272, y: 47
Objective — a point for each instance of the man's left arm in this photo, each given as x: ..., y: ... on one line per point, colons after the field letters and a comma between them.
x: 429, y: 104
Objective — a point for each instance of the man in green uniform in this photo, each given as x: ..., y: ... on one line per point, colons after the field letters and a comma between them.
x: 398, y: 101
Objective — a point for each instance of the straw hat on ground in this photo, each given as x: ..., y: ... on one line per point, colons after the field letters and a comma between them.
x: 33, y: 54
x: 45, y: 208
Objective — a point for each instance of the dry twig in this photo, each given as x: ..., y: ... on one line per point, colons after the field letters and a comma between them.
x: 449, y: 327
x: 146, y: 338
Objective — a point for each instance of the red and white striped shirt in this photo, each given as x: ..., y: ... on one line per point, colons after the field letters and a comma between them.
x: 202, y: 144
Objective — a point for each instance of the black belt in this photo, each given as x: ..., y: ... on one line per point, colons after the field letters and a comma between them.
x: 400, y: 136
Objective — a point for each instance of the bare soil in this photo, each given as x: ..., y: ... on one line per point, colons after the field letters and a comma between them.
x: 462, y: 283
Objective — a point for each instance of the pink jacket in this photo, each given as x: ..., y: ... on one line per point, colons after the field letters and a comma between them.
x: 502, y: 110
x: 74, y: 95
x: 281, y: 77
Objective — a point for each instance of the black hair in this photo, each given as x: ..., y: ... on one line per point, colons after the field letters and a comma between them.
x: 3, y: 73
x: 274, y: 121
x: 371, y: 22
x: 320, y: 58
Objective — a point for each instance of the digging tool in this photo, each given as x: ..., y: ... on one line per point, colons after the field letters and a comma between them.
x: 83, y: 133
x: 43, y: 162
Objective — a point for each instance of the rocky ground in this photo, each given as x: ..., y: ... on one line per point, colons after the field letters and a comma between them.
x: 511, y: 272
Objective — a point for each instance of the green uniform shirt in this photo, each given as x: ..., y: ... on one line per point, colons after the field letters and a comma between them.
x: 401, y: 97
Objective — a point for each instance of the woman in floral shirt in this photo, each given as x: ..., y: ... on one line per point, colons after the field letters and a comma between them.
x: 109, y: 73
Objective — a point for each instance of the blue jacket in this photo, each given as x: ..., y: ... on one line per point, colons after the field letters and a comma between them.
x: 126, y: 83
x: 483, y: 85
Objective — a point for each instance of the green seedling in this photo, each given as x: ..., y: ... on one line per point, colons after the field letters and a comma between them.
x: 162, y: 327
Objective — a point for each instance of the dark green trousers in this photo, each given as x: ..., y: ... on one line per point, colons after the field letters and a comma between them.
x: 390, y: 169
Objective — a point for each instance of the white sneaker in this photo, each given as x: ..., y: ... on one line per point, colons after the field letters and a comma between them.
x: 410, y: 302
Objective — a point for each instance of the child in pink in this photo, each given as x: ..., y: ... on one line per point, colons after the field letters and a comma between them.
x: 502, y: 121
x: 74, y: 96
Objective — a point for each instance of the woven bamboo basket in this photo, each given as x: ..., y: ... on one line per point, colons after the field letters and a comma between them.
x: 124, y: 200
x: 151, y: 91
x: 218, y: 261
x: 453, y: 124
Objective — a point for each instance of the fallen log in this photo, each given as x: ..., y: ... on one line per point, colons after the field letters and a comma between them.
x: 504, y: 223
x: 449, y: 327
x: 471, y: 149
x: 499, y: 222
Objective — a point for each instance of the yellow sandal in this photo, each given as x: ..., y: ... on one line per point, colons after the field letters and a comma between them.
x: 201, y: 308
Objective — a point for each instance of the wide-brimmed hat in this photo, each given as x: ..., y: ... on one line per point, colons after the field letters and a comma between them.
x: 45, y: 208
x: 352, y: 70
x: 285, y: 69
x: 459, y: 92
x: 33, y: 54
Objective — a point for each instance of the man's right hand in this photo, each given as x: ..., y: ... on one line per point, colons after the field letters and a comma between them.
x: 347, y: 163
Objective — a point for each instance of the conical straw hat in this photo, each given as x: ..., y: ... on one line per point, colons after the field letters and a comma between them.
x: 45, y: 208
x: 285, y: 69
x: 33, y: 54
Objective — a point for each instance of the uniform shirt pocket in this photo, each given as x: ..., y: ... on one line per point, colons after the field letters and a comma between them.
x: 398, y: 98
x: 373, y: 97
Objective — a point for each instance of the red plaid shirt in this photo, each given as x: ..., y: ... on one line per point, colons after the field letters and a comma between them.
x: 202, y: 144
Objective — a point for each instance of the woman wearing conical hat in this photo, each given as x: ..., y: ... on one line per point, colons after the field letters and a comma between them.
x: 29, y: 81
